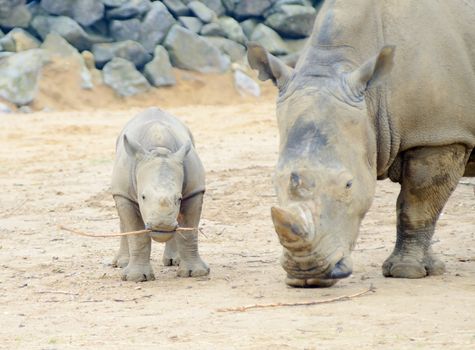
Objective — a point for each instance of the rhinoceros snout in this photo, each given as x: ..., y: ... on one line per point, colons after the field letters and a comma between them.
x: 161, y: 226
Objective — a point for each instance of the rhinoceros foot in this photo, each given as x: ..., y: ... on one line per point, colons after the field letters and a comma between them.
x: 192, y: 269
x: 120, y: 260
x: 138, y: 273
x: 404, y: 266
x: 171, y: 261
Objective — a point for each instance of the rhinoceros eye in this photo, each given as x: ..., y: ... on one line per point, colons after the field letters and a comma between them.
x: 349, y: 184
x: 143, y: 197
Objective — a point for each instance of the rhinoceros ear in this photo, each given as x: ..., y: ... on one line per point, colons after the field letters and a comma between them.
x: 133, y: 148
x: 182, y: 152
x: 373, y: 71
x: 268, y: 66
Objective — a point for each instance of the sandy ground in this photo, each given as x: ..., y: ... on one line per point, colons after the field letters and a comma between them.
x: 59, y: 291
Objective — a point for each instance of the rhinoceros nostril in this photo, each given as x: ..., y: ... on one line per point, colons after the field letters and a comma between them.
x: 340, y: 270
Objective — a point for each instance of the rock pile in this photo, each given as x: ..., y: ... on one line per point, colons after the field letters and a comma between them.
x: 137, y: 42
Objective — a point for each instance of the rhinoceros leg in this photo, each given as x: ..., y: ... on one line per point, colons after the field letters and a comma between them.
x: 170, y: 255
x: 429, y: 176
x: 138, y: 268
x: 191, y: 264
x: 121, y: 259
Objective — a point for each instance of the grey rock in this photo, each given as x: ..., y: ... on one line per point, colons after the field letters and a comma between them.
x: 212, y: 29
x: 248, y: 26
x: 19, y: 40
x: 269, y: 39
x: 295, y: 45
x: 114, y: 3
x: 122, y: 76
x: 243, y: 9
x: 276, y: 7
x: 14, y: 13
x: 56, y: 45
x: 35, y: 9
x: 177, y: 8
x: 85, y: 12
x: 191, y: 23
x: 235, y: 51
x: 159, y: 71
x: 132, y: 8
x: 4, y: 109
x: 190, y: 51
x: 25, y: 109
x: 232, y: 29
x: 19, y: 76
x: 293, y: 21
x: 203, y: 12
x: 128, y: 29
x: 128, y: 49
x: 245, y: 85
x: 215, y: 5
x: 290, y: 59
x: 64, y: 26
x: 155, y: 26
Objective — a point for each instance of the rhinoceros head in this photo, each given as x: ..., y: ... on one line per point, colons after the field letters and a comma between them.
x: 326, y: 173
x: 159, y: 179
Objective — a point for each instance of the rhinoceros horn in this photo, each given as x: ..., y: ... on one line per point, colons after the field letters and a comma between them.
x: 290, y: 227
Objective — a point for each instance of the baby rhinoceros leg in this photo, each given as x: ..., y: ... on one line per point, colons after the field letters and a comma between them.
x: 122, y: 257
x: 170, y: 255
x: 191, y: 264
x: 138, y: 268
x: 429, y: 176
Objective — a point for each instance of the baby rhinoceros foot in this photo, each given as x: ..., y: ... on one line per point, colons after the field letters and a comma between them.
x: 405, y: 266
x: 192, y: 269
x: 171, y: 260
x: 138, y: 273
x: 120, y: 260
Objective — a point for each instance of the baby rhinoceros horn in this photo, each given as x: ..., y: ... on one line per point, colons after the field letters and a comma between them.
x: 291, y: 228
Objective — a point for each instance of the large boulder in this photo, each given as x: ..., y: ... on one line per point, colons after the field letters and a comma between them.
x: 293, y: 21
x: 14, y: 13
x: 177, y: 8
x: 114, y: 3
x: 64, y: 26
x: 19, y: 40
x: 128, y: 29
x: 56, y: 46
x: 19, y: 76
x: 269, y: 39
x: 128, y: 49
x: 85, y: 12
x: 212, y: 29
x: 248, y: 26
x: 235, y: 51
x: 215, y: 5
x: 203, y: 12
x: 122, y: 76
x: 155, y: 26
x: 232, y: 29
x: 159, y: 71
x: 131, y: 8
x: 243, y: 9
x: 190, y: 51
x: 191, y: 23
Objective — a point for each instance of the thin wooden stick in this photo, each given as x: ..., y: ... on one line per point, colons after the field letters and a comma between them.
x: 302, y: 303
x: 117, y: 234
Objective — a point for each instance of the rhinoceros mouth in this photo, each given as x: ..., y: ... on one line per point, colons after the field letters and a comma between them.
x: 310, y: 282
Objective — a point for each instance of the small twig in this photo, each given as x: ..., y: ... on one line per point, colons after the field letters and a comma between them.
x: 116, y: 234
x: 365, y: 249
x: 133, y: 299
x: 55, y: 292
x: 303, y: 303
x: 10, y: 211
x: 202, y: 232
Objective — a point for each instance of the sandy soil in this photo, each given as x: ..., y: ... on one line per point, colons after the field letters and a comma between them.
x: 58, y: 290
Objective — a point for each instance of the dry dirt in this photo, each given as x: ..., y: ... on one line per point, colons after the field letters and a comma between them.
x: 59, y: 291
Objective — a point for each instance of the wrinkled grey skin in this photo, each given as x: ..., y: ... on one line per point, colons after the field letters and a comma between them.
x: 347, y: 119
x: 158, y: 183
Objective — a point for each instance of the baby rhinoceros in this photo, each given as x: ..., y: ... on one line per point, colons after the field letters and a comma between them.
x: 158, y: 183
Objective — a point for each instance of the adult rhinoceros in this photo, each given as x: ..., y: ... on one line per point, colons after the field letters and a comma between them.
x: 345, y: 122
